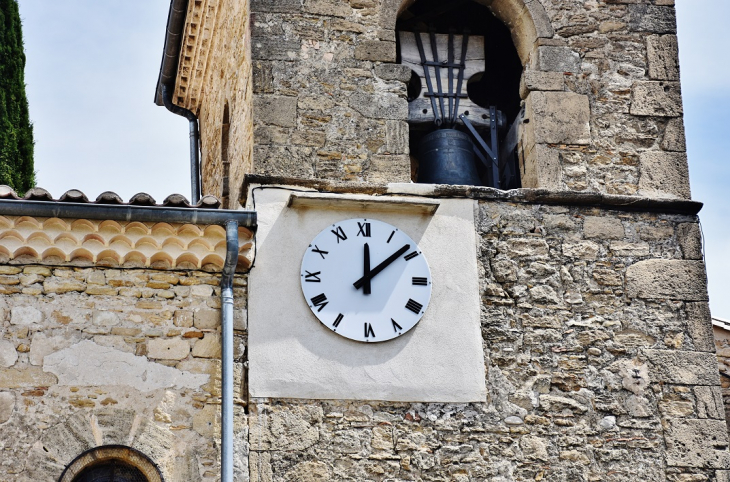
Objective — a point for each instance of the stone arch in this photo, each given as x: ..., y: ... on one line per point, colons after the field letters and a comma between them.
x: 106, y: 454
x: 83, y: 432
x: 526, y: 19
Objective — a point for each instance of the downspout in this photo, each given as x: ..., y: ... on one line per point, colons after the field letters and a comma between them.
x: 194, y: 140
x: 229, y: 269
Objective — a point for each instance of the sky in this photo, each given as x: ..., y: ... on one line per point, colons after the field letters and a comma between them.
x: 92, y: 68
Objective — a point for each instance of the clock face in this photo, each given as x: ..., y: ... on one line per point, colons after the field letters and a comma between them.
x: 366, y: 280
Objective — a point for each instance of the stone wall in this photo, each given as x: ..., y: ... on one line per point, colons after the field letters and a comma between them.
x: 215, y: 72
x: 600, y: 362
x: 94, y: 356
x: 722, y: 348
x: 600, y: 89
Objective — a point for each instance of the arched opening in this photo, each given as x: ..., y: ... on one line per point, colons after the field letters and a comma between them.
x: 111, y: 463
x: 111, y: 471
x: 225, y: 162
x: 464, y: 92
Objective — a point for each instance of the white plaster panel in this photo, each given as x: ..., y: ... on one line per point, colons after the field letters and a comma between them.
x: 89, y: 364
x: 293, y: 356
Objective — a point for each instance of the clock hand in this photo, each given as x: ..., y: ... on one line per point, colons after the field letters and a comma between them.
x: 366, y: 270
x: 359, y: 283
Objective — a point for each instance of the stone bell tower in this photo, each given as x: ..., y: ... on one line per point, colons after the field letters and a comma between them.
x: 567, y: 335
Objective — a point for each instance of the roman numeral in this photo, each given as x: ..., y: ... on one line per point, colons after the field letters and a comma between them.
x: 420, y: 281
x: 314, y: 277
x: 337, y: 320
x: 369, y: 330
x: 364, y: 229
x: 338, y: 231
x: 412, y: 255
x: 414, y: 306
x: 320, y: 300
x: 396, y: 326
x: 390, y: 237
x: 321, y: 253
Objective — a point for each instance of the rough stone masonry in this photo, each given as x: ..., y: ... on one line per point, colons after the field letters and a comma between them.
x: 594, y: 317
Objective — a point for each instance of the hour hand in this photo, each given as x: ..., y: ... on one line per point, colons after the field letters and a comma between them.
x: 366, y: 278
x: 366, y: 270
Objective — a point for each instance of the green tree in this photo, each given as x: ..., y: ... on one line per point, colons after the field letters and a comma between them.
x: 16, y: 131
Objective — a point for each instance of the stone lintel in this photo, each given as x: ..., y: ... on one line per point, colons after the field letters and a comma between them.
x: 523, y: 196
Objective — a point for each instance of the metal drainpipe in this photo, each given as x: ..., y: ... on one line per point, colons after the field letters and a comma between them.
x: 229, y: 269
x: 194, y: 139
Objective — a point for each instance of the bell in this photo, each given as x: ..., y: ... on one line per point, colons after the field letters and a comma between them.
x: 446, y: 156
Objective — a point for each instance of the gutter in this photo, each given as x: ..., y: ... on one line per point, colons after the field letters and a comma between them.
x: 166, y: 86
x: 191, y: 215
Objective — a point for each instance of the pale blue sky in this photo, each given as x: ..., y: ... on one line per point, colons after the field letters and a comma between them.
x: 92, y: 68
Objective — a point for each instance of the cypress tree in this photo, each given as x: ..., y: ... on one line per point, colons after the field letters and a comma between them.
x: 16, y: 131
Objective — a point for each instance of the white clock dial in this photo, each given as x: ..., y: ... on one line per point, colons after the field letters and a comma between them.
x: 366, y: 280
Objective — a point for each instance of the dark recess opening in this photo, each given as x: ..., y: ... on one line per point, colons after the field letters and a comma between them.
x: 111, y: 471
x: 497, y: 86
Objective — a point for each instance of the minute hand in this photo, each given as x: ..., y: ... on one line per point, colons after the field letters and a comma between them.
x: 358, y: 284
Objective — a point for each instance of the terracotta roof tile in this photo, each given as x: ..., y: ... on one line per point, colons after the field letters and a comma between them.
x: 109, y: 197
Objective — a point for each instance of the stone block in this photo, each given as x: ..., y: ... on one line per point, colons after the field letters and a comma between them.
x: 557, y: 118
x: 697, y: 443
x: 709, y: 402
x: 524, y: 247
x: 699, y: 326
x: 43, y: 345
x: 208, y: 347
x: 63, y: 285
x: 104, y: 318
x: 664, y: 174
x: 25, y: 377
x: 667, y: 279
x: 652, y: 18
x: 275, y: 48
x: 375, y: 50
x: 603, y: 228
x: 263, y: 77
x: 396, y: 136
x: 393, y: 72
x: 663, y: 56
x: 276, y: 109
x: 8, y: 355
x: 260, y: 464
x: 674, y: 138
x: 581, y: 249
x: 682, y: 367
x: 656, y: 98
x: 552, y: 58
x: 168, y: 349
x: 7, y: 405
x: 541, y: 168
x: 329, y: 8
x: 381, y: 106
x: 286, y: 428
x: 535, y: 80
x: 115, y: 425
x: 25, y: 315
x: 67, y: 440
x: 389, y: 168
x: 276, y: 6
x: 207, y: 319
x: 690, y: 240
x: 540, y: 19
x: 207, y: 420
